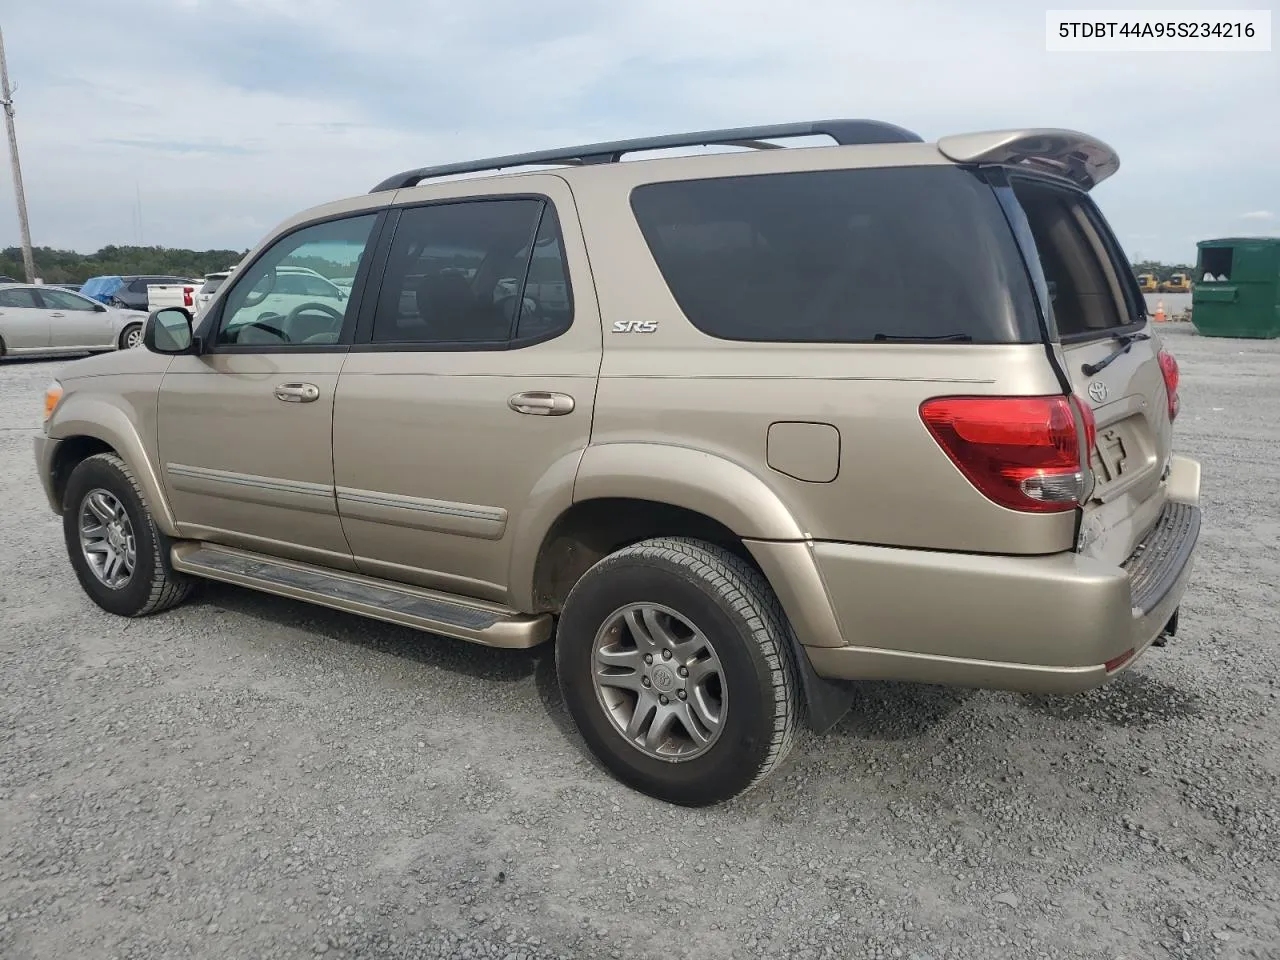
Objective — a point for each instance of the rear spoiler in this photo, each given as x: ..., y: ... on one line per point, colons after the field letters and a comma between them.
x: 1078, y: 157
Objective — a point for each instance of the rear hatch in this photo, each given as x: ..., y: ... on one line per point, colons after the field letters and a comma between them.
x: 1112, y: 357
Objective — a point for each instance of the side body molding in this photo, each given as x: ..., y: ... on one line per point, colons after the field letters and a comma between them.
x: 88, y: 415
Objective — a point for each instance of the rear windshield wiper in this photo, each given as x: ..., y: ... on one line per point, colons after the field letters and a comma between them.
x: 940, y: 338
x: 1126, y: 341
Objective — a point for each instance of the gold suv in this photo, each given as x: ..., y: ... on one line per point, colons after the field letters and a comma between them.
x: 729, y: 427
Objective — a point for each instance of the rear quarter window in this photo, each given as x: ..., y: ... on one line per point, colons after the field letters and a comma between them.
x: 845, y: 256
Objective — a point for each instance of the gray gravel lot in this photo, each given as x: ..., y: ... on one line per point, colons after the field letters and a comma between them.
x: 252, y: 777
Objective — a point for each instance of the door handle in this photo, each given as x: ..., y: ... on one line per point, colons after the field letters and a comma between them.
x: 540, y: 403
x: 297, y: 392
x: 57, y: 314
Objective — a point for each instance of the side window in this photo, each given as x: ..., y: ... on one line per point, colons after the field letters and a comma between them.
x: 547, y: 309
x: 842, y: 256
x: 18, y: 299
x: 268, y: 306
x: 60, y: 300
x: 455, y: 273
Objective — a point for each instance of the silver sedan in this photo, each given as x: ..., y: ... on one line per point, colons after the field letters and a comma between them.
x: 39, y: 320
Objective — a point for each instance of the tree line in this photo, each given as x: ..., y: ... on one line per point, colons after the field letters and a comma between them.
x: 67, y: 266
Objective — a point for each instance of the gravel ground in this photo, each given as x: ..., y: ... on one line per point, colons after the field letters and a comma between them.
x: 252, y: 777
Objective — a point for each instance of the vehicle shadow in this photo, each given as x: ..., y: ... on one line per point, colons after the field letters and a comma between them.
x: 883, y: 710
x: 416, y: 646
x: 445, y: 653
x: 1131, y: 700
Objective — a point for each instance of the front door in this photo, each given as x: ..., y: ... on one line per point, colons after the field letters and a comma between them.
x: 245, y: 426
x: 76, y: 321
x: 24, y: 324
x: 465, y: 404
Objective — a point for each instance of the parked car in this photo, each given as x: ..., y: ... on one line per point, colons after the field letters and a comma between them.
x: 132, y: 293
x: 212, y: 282
x: 161, y: 295
x: 101, y: 288
x: 45, y: 320
x: 804, y: 416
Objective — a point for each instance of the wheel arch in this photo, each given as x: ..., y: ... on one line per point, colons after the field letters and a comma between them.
x: 612, y: 495
x: 85, y: 425
x: 628, y: 492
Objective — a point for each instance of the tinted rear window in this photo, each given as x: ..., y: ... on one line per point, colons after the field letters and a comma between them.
x: 212, y: 284
x: 840, y: 256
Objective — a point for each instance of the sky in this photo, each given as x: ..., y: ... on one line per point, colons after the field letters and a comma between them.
x: 216, y: 119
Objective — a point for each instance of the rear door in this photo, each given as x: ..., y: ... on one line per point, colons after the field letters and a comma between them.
x: 24, y: 324
x: 1112, y: 356
x: 465, y: 405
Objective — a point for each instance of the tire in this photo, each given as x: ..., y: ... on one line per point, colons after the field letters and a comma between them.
x: 127, y: 334
x: 692, y: 594
x: 152, y: 584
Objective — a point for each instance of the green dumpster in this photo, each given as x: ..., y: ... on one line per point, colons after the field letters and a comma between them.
x: 1237, y: 288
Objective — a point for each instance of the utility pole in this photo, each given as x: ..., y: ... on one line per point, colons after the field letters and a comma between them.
x: 19, y: 195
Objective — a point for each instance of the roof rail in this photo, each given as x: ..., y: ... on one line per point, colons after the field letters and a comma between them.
x: 843, y: 132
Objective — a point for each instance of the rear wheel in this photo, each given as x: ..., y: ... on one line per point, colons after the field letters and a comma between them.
x: 675, y: 662
x: 131, y: 336
x: 120, y: 558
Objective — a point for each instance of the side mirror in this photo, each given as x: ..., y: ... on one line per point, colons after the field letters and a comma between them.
x: 169, y: 331
x: 99, y: 308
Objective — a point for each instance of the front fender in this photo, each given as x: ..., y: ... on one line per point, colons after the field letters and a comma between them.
x: 693, y: 479
x: 114, y: 422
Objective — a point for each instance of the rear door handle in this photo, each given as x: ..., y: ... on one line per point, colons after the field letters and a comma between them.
x: 57, y: 314
x: 540, y: 403
x: 298, y: 392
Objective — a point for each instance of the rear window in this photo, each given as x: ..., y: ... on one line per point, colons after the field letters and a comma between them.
x: 847, y: 256
x: 1089, y: 281
x: 211, y: 285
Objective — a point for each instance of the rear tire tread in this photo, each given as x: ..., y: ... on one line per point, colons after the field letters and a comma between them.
x: 746, y: 592
x: 745, y: 589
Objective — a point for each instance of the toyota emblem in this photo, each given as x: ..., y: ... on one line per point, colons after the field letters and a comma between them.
x: 1098, y: 391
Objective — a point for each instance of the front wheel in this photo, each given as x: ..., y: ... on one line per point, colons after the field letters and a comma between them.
x: 120, y: 558
x: 675, y: 662
x: 131, y: 336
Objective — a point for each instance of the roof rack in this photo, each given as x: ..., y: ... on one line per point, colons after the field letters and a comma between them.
x: 843, y: 132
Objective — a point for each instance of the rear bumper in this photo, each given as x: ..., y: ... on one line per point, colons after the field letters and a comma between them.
x: 1048, y: 624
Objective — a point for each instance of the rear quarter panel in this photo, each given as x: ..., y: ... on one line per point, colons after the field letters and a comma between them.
x: 893, y: 485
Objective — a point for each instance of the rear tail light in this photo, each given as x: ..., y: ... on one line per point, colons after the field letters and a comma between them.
x: 1024, y: 453
x: 188, y: 298
x: 1169, y: 367
x: 1090, y: 423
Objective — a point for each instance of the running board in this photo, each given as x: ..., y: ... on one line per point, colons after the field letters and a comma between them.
x: 474, y: 620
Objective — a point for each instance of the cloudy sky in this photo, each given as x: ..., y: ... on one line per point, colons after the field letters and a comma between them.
x: 218, y: 118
